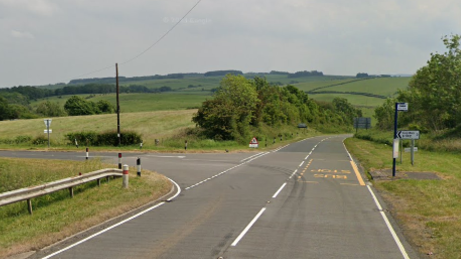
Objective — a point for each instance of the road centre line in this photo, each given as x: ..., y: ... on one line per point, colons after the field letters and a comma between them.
x: 389, y: 226
x: 229, y: 169
x: 237, y: 240
x: 301, y: 164
x: 117, y: 224
x: 279, y: 190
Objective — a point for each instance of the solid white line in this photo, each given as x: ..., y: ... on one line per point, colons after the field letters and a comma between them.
x: 103, y: 231
x: 237, y: 240
x: 277, y: 193
x: 250, y: 157
x: 301, y: 164
x: 389, y: 226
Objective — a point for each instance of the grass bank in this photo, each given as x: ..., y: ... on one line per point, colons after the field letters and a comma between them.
x: 428, y: 210
x: 57, y: 216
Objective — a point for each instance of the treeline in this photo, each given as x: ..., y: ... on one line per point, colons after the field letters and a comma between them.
x: 433, y: 95
x: 242, y: 106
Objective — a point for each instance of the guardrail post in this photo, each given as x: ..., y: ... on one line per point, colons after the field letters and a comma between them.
x: 119, y: 160
x: 138, y: 164
x: 71, y: 191
x: 29, y: 206
x: 125, y: 176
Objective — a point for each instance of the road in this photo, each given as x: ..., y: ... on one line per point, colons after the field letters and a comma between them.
x: 305, y: 200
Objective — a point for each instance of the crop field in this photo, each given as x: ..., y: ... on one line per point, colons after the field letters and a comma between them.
x: 357, y: 100
x: 379, y: 86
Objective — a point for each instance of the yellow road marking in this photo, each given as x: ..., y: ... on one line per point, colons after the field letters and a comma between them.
x: 357, y: 173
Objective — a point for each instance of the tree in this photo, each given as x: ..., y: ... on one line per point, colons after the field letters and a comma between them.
x: 50, y: 109
x: 76, y: 106
x: 105, y: 106
x: 5, y: 112
x: 435, y: 90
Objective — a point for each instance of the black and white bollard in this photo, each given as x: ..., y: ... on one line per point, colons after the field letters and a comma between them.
x: 76, y: 143
x: 125, y: 176
x: 87, y: 153
x: 138, y: 166
x: 119, y: 160
x: 140, y: 145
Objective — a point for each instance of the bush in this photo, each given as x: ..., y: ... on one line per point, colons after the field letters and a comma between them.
x: 40, y: 140
x: 108, y: 138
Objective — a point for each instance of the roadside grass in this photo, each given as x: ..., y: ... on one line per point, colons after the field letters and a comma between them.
x: 57, y: 216
x: 429, y: 211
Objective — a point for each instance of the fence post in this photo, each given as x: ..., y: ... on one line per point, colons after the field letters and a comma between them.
x: 125, y: 176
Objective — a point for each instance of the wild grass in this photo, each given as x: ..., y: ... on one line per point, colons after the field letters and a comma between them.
x: 57, y: 216
x: 428, y: 210
x: 151, y: 125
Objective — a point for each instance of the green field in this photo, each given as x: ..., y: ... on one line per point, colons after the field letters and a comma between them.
x: 151, y: 125
x: 356, y: 100
x: 379, y: 86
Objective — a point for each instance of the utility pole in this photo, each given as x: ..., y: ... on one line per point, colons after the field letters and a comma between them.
x: 118, y: 105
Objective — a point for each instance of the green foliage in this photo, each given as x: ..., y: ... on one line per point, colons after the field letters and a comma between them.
x: 108, y: 138
x: 240, y: 104
x: 5, y: 112
x: 50, y: 109
x: 385, y: 113
x: 40, y: 140
x: 435, y: 91
x: 76, y: 106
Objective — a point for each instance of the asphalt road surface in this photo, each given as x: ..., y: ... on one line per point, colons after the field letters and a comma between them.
x: 305, y: 200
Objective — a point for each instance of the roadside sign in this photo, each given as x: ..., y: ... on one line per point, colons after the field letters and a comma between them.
x: 362, y: 123
x: 47, y: 122
x: 254, y: 143
x: 408, y: 149
x: 48, y: 131
x: 408, y: 134
x: 402, y: 107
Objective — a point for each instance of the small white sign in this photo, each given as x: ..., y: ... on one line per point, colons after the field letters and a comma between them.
x: 408, y: 134
x: 402, y: 107
x: 408, y: 149
x: 46, y: 131
x: 396, y: 148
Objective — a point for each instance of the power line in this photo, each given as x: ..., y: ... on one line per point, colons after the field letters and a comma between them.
x: 150, y: 47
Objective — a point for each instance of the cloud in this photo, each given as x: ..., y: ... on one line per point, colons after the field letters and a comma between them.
x: 22, y: 35
x: 37, y: 7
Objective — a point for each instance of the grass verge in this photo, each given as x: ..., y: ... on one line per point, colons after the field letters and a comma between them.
x: 429, y: 211
x: 57, y: 216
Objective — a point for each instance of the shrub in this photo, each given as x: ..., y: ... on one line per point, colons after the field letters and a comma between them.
x: 40, y: 140
x: 108, y: 138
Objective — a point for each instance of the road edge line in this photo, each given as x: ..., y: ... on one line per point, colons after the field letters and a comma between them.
x: 389, y: 225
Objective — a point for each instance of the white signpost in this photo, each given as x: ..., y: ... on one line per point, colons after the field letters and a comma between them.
x: 48, y: 130
x: 402, y: 107
x: 412, y: 135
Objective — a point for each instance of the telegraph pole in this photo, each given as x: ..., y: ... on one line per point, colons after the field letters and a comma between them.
x: 118, y: 105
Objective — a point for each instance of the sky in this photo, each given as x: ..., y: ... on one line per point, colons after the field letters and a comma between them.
x: 55, y: 41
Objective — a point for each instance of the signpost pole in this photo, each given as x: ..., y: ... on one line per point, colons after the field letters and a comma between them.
x: 48, y: 129
x: 412, y: 152
x: 395, y: 138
